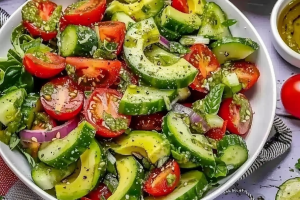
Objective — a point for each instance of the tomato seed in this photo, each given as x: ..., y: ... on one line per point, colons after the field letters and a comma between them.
x: 48, y: 97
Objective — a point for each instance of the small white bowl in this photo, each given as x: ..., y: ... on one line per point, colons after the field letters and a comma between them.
x: 281, y: 47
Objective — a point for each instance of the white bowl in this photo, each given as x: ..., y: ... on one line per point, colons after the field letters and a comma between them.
x: 281, y: 47
x: 262, y: 97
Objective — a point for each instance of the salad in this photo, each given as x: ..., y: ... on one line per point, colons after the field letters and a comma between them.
x: 127, y: 100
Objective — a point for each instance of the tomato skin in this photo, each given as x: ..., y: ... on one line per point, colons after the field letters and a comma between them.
x: 93, y: 114
x: 181, y: 5
x: 66, y: 100
x: 46, y: 9
x: 290, y: 95
x: 247, y: 73
x: 101, y: 191
x: 230, y: 112
x: 41, y: 69
x: 113, y: 31
x: 37, y: 32
x: 156, y: 185
x: 148, y: 122
x: 217, y: 133
x: 103, y: 73
x: 202, y: 58
x: 87, y: 14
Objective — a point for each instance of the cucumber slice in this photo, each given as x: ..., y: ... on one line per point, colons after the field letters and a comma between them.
x: 139, y: 10
x: 131, y: 175
x: 212, y: 26
x: 11, y: 105
x: 192, y: 185
x: 141, y: 100
x: 78, y: 41
x: 159, y: 56
x: 47, y: 177
x: 93, y: 166
x: 289, y: 190
x: 31, y: 105
x: 231, y: 80
x: 170, y: 35
x: 122, y: 17
x: 142, y: 34
x: 62, y: 152
x: 214, y: 121
x: 179, y: 22
x: 232, y: 150
x: 151, y: 145
x: 189, y: 40
x: 178, y: 133
x: 233, y: 48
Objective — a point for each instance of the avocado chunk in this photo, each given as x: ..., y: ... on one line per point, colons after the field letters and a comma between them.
x: 131, y: 175
x: 142, y: 34
x: 93, y: 165
x: 151, y: 145
x: 10, y: 105
x: 180, y: 22
x: 139, y: 10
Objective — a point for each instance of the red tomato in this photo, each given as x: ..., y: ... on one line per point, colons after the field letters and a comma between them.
x: 290, y: 95
x: 37, y: 32
x: 63, y: 23
x: 85, y: 13
x: 44, y: 65
x: 45, y: 10
x: 247, y: 73
x: 237, y: 112
x: 85, y: 198
x: 217, y: 133
x: 92, y: 73
x: 101, y: 192
x: 202, y: 58
x: 104, y: 100
x: 112, y: 31
x: 162, y: 181
x: 61, y: 99
x: 181, y: 5
x: 148, y: 122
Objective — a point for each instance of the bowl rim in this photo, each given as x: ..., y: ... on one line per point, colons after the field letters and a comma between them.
x: 233, y: 178
x: 274, y: 28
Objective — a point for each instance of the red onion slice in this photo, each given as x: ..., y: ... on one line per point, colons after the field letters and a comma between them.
x: 194, y: 117
x: 57, y: 132
x: 163, y: 41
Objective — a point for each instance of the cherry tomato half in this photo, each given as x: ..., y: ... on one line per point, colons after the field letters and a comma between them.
x: 62, y: 99
x: 104, y: 101
x: 238, y: 113
x: 202, y: 58
x: 42, y: 121
x: 112, y: 31
x: 181, y: 5
x: 44, y: 65
x: 247, y: 73
x: 85, y: 13
x: 162, y: 181
x: 148, y: 122
x: 92, y: 73
x: 290, y: 95
x: 44, y: 12
x: 217, y: 133
x: 100, y: 193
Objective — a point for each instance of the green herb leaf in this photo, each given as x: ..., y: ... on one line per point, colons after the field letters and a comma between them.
x: 87, y: 94
x: 30, y: 160
x: 115, y: 124
x: 176, y: 47
x: 14, y: 141
x: 229, y: 22
x: 297, y: 165
x: 111, y: 182
x: 106, y: 50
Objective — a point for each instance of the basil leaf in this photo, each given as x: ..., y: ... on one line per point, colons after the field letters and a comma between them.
x: 176, y: 47
x: 29, y: 158
x: 14, y: 141
x: 213, y: 100
x: 229, y: 22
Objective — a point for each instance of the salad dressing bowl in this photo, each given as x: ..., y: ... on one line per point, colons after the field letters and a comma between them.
x: 262, y: 98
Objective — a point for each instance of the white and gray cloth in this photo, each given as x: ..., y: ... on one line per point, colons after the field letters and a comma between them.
x: 279, y: 142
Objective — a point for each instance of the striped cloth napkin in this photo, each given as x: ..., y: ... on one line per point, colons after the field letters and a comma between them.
x: 280, y: 140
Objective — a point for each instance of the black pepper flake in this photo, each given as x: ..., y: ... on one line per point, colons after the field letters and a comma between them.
x: 84, y: 177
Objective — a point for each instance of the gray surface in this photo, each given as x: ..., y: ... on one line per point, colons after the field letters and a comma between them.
x: 263, y: 182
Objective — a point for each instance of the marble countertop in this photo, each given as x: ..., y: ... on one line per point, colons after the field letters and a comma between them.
x: 264, y: 182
